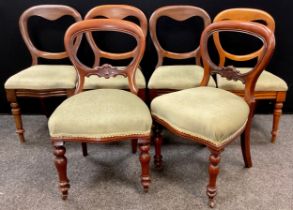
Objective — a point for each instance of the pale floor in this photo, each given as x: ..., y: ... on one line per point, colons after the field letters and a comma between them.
x: 109, y: 177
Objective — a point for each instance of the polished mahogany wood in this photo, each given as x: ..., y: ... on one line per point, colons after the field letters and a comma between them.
x: 158, y: 143
x: 106, y: 71
x: 144, y: 157
x: 61, y: 164
x: 119, y: 12
x: 245, y: 138
x: 249, y: 79
x: 134, y: 145
x: 260, y: 16
x: 179, y: 13
x: 241, y: 14
x: 49, y: 12
x: 213, y: 173
x: 230, y: 72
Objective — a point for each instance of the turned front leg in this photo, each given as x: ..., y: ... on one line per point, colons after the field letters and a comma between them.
x: 61, y: 166
x: 144, y: 157
x: 15, y: 110
x: 276, y: 120
x: 213, y: 173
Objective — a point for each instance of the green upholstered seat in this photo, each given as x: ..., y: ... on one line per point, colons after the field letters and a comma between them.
x: 41, y: 77
x: 266, y: 82
x: 177, y: 77
x: 100, y: 113
x: 118, y: 82
x: 212, y: 114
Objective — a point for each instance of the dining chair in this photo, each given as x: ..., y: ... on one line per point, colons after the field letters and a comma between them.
x: 268, y: 86
x: 39, y: 80
x: 212, y: 116
x: 120, y: 12
x: 102, y: 115
x: 170, y: 78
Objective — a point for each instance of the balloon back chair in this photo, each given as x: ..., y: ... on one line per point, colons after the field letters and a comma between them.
x: 170, y: 78
x: 268, y: 86
x: 120, y: 12
x: 102, y: 115
x: 212, y: 116
x: 41, y: 81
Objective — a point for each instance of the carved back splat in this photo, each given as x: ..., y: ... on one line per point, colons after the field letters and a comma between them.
x: 241, y: 14
x: 249, y: 78
x: 178, y: 13
x: 49, y: 12
x: 114, y: 11
x: 106, y: 70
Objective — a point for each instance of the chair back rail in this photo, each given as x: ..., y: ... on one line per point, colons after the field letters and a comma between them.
x: 242, y: 14
x: 48, y: 12
x: 105, y: 70
x: 249, y: 79
x: 178, y: 13
x: 114, y: 11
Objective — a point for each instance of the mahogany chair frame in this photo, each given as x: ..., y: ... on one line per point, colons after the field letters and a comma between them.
x: 119, y: 12
x: 105, y: 71
x: 252, y: 15
x: 179, y: 13
x: 230, y: 72
x: 52, y: 13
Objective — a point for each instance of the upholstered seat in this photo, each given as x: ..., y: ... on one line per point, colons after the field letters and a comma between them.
x: 177, y: 77
x: 266, y: 82
x: 64, y: 76
x: 196, y: 112
x: 118, y: 82
x: 100, y: 113
x: 166, y: 78
x: 42, y: 77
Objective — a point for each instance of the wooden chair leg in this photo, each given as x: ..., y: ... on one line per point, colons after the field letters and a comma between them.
x: 144, y: 157
x: 134, y: 145
x: 61, y: 166
x: 213, y: 173
x: 245, y: 139
x: 276, y: 119
x: 84, y: 149
x: 15, y: 109
x: 245, y: 147
x: 158, y: 143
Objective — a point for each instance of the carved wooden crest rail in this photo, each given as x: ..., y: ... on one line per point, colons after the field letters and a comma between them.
x: 107, y: 71
x: 230, y: 73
